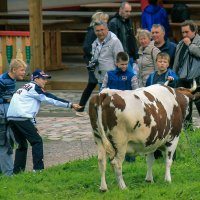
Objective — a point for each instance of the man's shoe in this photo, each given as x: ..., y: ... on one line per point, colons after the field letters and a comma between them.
x: 81, y: 114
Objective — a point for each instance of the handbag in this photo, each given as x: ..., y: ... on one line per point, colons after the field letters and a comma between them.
x: 190, y: 68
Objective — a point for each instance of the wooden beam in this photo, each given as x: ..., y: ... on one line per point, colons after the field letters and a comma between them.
x: 36, y: 34
x: 4, y: 6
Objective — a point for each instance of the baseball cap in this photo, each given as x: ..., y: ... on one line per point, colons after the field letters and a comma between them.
x: 39, y: 74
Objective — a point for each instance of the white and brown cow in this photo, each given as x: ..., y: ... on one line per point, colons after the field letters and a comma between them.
x: 138, y: 122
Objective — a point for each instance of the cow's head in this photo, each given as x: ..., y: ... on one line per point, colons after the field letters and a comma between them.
x: 191, y: 94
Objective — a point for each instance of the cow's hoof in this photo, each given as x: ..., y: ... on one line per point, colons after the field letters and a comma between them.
x: 148, y: 181
x: 103, y: 190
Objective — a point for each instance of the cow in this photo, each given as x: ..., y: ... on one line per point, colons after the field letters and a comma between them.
x: 138, y: 122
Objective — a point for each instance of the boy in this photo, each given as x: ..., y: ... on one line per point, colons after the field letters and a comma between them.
x: 161, y: 76
x: 17, y: 70
x: 22, y: 111
x: 163, y: 73
x: 120, y: 78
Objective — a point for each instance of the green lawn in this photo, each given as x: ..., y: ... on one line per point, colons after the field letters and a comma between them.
x: 81, y: 179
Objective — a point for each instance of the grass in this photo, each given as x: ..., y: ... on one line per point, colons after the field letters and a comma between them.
x: 80, y: 180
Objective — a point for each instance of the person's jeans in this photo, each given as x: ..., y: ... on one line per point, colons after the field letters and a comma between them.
x: 23, y: 131
x: 92, y: 83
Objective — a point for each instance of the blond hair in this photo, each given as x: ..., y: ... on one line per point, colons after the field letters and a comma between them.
x: 144, y: 33
x: 99, y: 16
x: 16, y: 63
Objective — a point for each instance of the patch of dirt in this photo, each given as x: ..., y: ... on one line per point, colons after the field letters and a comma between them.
x: 60, y: 152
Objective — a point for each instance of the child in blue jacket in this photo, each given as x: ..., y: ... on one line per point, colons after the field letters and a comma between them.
x: 121, y: 78
x: 163, y: 73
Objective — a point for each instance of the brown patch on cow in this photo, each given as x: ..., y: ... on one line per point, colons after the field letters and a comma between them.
x: 178, y: 114
x: 169, y: 88
x: 94, y: 102
x: 118, y: 102
x: 149, y: 96
x: 137, y: 125
x: 110, y: 138
x: 168, y: 144
x: 162, y: 123
x: 136, y: 96
x: 102, y: 96
x: 169, y: 154
x: 109, y: 119
x: 183, y: 104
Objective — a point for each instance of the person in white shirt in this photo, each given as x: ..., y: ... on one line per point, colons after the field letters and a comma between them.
x: 21, y: 114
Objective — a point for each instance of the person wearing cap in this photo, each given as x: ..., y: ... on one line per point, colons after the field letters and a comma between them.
x: 21, y: 114
x: 17, y: 71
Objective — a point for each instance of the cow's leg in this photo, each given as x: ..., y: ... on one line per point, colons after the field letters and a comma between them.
x: 170, y: 149
x: 117, y: 166
x: 102, y: 165
x: 150, y: 160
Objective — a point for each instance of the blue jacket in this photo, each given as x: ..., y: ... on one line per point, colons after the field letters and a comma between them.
x: 169, y: 72
x: 117, y: 79
x: 154, y: 14
x: 7, y: 87
x: 170, y: 48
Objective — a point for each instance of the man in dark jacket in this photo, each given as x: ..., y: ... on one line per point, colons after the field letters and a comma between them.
x: 187, y: 50
x: 165, y: 45
x: 122, y: 26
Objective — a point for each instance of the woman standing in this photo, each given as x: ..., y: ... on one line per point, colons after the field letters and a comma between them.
x: 147, y: 55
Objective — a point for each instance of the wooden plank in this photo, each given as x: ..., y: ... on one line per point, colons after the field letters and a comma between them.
x: 72, y: 49
x: 26, y: 21
x: 53, y: 47
x: 47, y: 49
x: 54, y: 14
x: 36, y: 34
x: 58, y: 48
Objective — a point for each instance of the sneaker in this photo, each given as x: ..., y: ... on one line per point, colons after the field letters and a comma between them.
x: 81, y: 114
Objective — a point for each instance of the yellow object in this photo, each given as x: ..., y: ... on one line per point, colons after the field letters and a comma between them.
x: 19, y: 54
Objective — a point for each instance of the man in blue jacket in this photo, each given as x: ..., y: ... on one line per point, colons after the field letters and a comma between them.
x: 163, y: 43
x: 155, y: 14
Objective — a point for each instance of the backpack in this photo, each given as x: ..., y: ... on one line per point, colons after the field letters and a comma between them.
x: 180, y: 12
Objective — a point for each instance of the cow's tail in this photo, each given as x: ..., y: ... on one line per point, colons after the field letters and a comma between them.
x: 95, y: 113
x: 106, y: 143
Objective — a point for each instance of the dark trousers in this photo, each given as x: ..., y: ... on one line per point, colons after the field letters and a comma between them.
x: 92, y: 83
x: 23, y: 131
x: 188, y: 84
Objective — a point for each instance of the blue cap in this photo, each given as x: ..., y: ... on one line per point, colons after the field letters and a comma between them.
x: 39, y: 74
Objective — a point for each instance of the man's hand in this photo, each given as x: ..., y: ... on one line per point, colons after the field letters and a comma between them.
x: 76, y: 106
x: 187, y: 41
